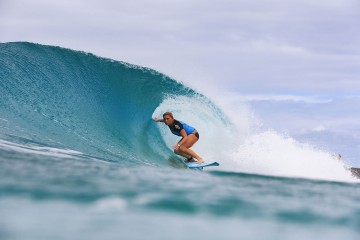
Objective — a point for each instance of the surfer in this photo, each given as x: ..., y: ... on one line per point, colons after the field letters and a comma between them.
x: 189, y: 137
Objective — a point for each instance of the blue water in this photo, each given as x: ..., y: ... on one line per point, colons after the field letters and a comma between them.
x: 80, y: 158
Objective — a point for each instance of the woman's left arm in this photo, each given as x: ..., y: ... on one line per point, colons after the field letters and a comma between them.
x: 184, y: 135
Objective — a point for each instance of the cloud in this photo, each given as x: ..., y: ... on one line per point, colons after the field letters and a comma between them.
x: 319, y: 128
x: 302, y: 114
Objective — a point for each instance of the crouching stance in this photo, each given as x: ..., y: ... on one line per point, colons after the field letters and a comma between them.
x: 189, y: 137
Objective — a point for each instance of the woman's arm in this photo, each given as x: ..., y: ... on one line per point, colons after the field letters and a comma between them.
x: 155, y: 119
x: 184, y: 135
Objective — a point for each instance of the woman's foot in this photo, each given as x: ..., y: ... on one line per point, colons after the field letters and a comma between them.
x: 190, y: 159
x: 200, y: 161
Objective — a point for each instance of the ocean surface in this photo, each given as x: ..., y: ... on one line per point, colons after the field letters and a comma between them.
x: 80, y: 158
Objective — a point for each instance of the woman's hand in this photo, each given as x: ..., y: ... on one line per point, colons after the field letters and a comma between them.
x: 176, y: 147
x: 155, y: 119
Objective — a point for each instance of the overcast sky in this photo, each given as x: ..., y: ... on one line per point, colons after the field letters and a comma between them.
x: 297, y: 60
x: 300, y: 47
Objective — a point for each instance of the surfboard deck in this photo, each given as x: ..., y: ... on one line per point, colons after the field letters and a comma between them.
x: 202, y: 165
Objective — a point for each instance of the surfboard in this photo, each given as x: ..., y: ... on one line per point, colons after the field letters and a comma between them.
x: 202, y: 165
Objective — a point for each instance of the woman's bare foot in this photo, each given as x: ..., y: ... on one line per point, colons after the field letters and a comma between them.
x: 200, y: 160
x: 189, y: 160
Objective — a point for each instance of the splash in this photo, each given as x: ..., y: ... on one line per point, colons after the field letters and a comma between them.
x: 242, y: 147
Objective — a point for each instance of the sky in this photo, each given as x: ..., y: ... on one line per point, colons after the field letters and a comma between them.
x: 297, y: 60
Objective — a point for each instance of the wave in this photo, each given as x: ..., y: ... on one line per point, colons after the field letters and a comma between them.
x: 75, y: 100
x: 58, y: 98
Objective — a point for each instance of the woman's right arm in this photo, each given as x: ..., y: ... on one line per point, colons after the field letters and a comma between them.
x: 155, y: 119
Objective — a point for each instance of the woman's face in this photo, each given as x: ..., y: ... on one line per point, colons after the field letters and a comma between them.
x: 168, y: 120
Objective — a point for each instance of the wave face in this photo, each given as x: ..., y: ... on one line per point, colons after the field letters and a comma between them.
x: 67, y: 99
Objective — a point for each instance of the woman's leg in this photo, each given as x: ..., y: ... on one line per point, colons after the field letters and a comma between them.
x: 181, y: 153
x: 185, y: 148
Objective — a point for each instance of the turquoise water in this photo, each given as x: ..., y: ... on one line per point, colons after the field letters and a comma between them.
x: 80, y: 158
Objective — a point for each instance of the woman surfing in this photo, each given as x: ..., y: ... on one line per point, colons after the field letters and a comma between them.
x: 189, y: 137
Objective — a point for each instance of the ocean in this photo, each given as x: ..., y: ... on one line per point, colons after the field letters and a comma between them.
x: 81, y: 158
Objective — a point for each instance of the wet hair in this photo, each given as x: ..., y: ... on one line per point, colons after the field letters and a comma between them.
x: 168, y: 114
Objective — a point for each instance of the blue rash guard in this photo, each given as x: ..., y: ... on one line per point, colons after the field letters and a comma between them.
x: 178, y: 125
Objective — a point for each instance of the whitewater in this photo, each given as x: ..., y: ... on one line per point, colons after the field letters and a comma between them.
x: 80, y: 157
